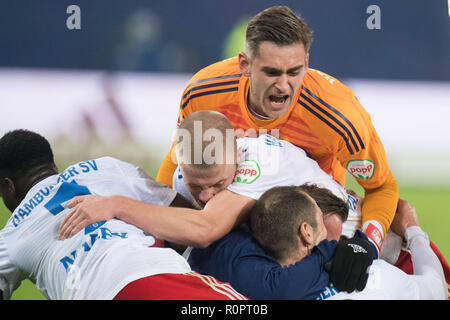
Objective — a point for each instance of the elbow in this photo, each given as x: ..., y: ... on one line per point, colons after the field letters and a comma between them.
x: 204, y: 235
x: 202, y: 243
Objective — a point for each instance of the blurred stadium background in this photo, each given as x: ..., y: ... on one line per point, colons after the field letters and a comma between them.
x: 113, y: 87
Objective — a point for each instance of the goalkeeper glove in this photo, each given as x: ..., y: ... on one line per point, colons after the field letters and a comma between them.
x: 349, y: 266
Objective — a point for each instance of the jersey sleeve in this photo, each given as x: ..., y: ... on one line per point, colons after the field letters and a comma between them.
x: 209, y: 89
x: 169, y: 164
x: 368, y: 165
x: 166, y: 169
x: 261, y: 168
x: 270, y: 162
x: 345, y: 129
x: 250, y: 180
x: 363, y: 156
x: 428, y: 273
x: 348, y: 134
x: 10, y: 275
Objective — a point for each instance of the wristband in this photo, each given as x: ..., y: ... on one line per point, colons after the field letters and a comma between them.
x: 373, y: 230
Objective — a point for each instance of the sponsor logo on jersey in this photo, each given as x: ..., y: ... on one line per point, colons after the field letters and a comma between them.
x: 361, y: 169
x: 247, y: 172
x: 273, y: 141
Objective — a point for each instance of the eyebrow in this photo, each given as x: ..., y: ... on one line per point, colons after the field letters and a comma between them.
x: 275, y: 70
x: 194, y: 185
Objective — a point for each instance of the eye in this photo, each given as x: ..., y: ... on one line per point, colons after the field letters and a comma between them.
x: 272, y: 73
x: 194, y: 188
x: 219, y: 184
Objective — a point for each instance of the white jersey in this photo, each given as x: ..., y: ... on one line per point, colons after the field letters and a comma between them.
x: 387, y: 282
x: 267, y: 162
x: 98, y: 261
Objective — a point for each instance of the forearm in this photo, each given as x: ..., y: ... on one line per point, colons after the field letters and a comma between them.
x: 380, y: 205
x: 196, y: 228
x: 179, y: 225
x: 425, y: 265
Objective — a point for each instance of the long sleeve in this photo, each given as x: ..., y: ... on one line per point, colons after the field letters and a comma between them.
x: 428, y: 271
x: 380, y: 205
x: 239, y: 260
x: 166, y: 169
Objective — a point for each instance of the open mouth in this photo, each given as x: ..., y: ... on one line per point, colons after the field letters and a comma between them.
x: 278, y: 101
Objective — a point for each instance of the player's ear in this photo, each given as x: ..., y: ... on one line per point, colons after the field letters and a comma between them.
x: 8, y: 192
x: 305, y: 232
x: 7, y: 187
x: 244, y: 63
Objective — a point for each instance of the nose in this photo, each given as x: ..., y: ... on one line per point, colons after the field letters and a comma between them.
x: 282, y: 83
x: 206, y: 195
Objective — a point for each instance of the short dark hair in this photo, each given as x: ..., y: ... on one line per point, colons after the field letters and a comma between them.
x: 279, y: 25
x: 22, y: 150
x: 276, y: 217
x: 327, y: 201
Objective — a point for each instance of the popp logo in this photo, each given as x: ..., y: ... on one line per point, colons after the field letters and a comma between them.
x: 361, y: 169
x: 247, y: 172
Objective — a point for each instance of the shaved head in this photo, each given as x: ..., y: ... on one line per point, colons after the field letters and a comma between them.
x: 204, y: 139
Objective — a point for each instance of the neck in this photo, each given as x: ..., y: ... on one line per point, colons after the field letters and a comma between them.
x: 257, y: 115
x: 40, y: 173
x: 33, y: 177
x: 255, y: 111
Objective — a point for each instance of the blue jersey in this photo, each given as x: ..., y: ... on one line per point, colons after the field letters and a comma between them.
x: 238, y: 259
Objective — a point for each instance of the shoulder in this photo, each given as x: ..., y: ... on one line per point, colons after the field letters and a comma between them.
x: 111, y: 161
x: 218, y: 78
x: 119, y: 166
x: 332, y: 108
x: 325, y: 85
x: 331, y: 97
x: 222, y: 71
x: 227, y: 67
x: 240, y: 244
x: 237, y: 243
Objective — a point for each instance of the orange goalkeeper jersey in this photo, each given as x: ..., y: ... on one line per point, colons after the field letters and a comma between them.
x: 325, y: 119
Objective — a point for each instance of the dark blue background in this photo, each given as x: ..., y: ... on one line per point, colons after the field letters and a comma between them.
x: 413, y: 42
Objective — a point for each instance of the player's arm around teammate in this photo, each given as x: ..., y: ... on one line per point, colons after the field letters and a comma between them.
x: 197, y: 228
x: 428, y: 271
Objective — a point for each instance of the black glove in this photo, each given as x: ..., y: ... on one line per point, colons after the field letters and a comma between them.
x: 348, y: 268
